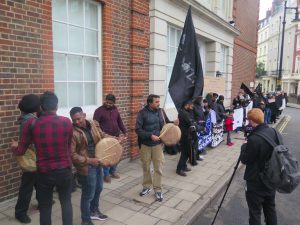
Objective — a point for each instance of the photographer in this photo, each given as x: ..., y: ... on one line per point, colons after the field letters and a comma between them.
x: 185, y: 119
x: 255, y: 152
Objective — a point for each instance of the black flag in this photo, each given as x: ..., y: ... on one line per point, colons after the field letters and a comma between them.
x: 187, y: 76
x: 259, y: 93
x: 246, y: 89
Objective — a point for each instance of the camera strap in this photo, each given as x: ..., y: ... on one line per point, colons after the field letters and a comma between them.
x: 162, y: 113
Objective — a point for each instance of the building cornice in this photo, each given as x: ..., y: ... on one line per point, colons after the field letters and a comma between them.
x: 204, y: 13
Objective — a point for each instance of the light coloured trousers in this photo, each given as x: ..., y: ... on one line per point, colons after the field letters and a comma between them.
x: 155, y: 154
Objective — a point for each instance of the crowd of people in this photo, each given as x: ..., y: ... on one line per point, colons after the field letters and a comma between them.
x: 60, y: 143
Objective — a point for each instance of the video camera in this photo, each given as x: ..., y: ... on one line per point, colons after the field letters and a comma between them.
x: 248, y: 130
x: 195, y: 127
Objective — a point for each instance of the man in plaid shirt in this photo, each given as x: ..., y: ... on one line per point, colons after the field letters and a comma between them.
x: 52, y: 137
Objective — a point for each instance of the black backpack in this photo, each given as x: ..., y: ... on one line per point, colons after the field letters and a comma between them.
x: 281, y: 171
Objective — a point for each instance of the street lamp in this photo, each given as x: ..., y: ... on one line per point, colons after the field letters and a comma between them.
x: 282, y: 40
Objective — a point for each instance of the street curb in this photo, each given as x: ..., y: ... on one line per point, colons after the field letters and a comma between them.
x: 193, y: 213
x: 294, y: 107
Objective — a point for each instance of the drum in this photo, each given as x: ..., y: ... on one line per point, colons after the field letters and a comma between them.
x: 28, y: 160
x: 170, y: 134
x: 109, y: 151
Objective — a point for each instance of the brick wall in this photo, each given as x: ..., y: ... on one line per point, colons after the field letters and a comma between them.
x: 26, y: 66
x: 296, y: 52
x: 245, y: 15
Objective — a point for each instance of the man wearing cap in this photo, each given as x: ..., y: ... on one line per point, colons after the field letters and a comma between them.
x: 221, y: 108
x: 29, y: 106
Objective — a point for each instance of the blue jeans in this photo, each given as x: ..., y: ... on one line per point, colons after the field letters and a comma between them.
x: 107, y: 170
x: 268, y: 114
x: 229, y: 137
x: 92, y: 185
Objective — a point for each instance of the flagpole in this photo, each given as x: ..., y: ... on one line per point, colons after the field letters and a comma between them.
x: 165, y: 98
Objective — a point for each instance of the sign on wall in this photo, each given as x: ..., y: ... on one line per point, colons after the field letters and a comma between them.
x: 214, y: 84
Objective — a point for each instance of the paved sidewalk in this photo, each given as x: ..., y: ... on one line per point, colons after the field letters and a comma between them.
x: 293, y: 105
x: 184, y: 197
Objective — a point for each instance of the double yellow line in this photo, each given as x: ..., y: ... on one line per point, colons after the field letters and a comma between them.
x: 284, y: 124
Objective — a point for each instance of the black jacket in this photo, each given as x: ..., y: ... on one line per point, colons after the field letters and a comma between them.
x: 184, y: 121
x: 256, y: 102
x: 221, y: 109
x: 255, y: 154
x: 146, y: 125
x: 197, y: 112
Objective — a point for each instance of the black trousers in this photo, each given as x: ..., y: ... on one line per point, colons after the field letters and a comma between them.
x: 62, y: 179
x: 258, y: 200
x: 184, y: 154
x: 25, y: 192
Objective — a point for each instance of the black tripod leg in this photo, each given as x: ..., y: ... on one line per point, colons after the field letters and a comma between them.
x: 228, y: 185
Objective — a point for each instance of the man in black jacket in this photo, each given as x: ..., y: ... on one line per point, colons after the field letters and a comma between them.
x: 149, y: 123
x: 197, y: 112
x: 221, y: 108
x: 255, y: 152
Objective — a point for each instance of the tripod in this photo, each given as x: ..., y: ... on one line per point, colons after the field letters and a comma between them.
x: 228, y: 185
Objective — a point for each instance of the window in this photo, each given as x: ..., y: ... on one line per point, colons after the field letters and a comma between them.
x: 173, y: 39
x: 272, y: 29
x: 275, y: 65
x: 277, y: 27
x: 270, y: 64
x: 271, y: 45
x: 261, y: 37
x: 287, y: 63
x: 275, y: 43
x: 297, y: 66
x: 266, y: 36
x: 221, y: 5
x: 272, y: 87
x: 265, y: 50
x: 223, y: 55
x: 76, y: 46
x: 289, y: 38
x: 260, y: 53
x: 298, y: 41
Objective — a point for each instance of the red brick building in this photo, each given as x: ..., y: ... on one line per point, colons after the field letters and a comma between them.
x: 82, y: 50
x: 246, y: 18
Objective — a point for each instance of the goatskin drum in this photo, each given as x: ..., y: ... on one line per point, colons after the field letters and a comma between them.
x: 109, y: 151
x: 28, y: 160
x: 170, y: 134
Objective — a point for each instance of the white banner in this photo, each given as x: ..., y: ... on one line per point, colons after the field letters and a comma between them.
x: 238, y: 117
x: 283, y: 104
x: 248, y: 108
x: 213, y: 116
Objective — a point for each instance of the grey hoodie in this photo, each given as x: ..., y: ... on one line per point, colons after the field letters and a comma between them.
x: 23, y: 119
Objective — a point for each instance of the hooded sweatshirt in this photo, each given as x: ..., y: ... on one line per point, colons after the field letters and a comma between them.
x: 22, y: 121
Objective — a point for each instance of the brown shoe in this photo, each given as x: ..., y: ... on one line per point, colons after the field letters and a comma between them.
x: 115, y: 175
x: 181, y: 173
x: 107, y: 180
x: 187, y: 169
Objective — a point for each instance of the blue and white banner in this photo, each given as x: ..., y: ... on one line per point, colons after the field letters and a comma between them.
x: 205, y: 137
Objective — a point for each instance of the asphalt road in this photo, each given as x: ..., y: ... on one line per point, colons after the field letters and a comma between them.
x: 234, y: 209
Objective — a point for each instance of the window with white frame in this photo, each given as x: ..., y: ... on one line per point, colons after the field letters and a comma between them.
x: 275, y: 43
x: 76, y: 46
x: 221, y: 5
x: 271, y: 45
x: 265, y: 50
x: 297, y: 64
x: 261, y: 37
x: 266, y: 36
x: 277, y: 27
x: 287, y: 63
x: 298, y: 41
x: 275, y: 65
x: 289, y: 38
x: 272, y: 29
x: 260, y: 53
x: 223, y: 56
x: 270, y: 65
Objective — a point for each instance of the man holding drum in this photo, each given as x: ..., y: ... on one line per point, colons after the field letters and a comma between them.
x: 149, y: 123
x: 111, y: 123
x: 86, y: 134
x: 52, y: 136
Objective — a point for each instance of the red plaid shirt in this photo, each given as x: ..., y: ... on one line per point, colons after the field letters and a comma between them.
x: 52, y: 137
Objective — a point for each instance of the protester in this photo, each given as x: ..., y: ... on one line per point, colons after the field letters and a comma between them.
x: 241, y: 104
x: 268, y: 112
x: 229, y: 127
x: 255, y: 152
x: 206, y: 109
x: 273, y: 113
x: 52, y: 137
x: 111, y: 123
x: 85, y: 137
x: 149, y: 123
x: 221, y: 108
x: 198, y: 113
x: 184, y: 117
x: 29, y: 106
x: 236, y: 101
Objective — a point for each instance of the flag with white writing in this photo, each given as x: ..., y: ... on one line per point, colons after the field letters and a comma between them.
x: 187, y: 76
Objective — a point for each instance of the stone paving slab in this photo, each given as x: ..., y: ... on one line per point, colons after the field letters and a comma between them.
x: 184, y: 197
